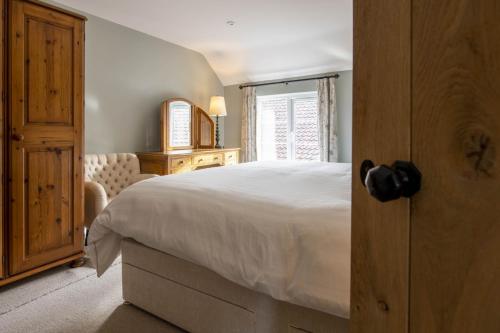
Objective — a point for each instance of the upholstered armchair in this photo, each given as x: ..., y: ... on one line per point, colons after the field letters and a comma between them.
x: 106, y: 175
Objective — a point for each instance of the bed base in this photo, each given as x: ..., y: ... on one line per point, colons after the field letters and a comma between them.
x: 200, y: 301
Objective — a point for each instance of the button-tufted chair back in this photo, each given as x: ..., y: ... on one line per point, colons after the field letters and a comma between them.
x: 113, y: 171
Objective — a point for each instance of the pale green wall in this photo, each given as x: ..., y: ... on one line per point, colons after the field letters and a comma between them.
x: 232, y: 122
x: 343, y: 85
x: 343, y: 90
x: 128, y: 75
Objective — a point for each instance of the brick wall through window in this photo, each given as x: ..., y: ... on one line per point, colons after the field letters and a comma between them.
x: 287, y: 127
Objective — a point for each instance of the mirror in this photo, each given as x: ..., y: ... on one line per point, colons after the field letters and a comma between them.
x: 179, y: 121
x: 177, y: 125
x: 185, y: 126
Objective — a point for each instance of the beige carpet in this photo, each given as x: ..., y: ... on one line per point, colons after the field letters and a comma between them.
x: 73, y: 300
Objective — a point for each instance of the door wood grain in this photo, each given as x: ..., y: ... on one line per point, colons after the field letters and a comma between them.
x: 381, y: 132
x: 455, y: 227
x: 46, y: 123
x: 427, y: 89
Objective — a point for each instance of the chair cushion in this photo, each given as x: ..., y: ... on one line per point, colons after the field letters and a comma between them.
x: 113, y: 171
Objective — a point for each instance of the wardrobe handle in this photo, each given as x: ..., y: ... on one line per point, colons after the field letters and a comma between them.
x: 17, y: 137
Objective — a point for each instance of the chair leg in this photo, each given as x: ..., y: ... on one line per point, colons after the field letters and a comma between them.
x: 86, y: 235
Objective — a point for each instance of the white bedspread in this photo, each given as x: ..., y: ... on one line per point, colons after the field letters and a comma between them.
x: 281, y: 228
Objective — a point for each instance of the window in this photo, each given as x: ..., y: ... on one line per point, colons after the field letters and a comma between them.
x: 287, y: 127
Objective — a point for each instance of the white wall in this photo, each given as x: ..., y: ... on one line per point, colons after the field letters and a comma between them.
x: 343, y: 85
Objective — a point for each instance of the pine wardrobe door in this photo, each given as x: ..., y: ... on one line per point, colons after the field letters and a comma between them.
x: 46, y: 128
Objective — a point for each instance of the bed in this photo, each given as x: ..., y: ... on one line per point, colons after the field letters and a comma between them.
x: 257, y: 247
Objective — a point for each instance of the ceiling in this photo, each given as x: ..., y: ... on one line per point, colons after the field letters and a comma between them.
x: 271, y: 39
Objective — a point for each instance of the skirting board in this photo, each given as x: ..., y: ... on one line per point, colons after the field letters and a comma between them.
x: 23, y: 275
x: 200, y: 301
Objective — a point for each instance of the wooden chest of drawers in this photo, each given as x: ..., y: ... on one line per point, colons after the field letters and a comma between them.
x: 178, y: 161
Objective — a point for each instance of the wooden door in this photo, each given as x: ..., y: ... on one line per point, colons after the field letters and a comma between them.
x: 381, y: 132
x: 455, y: 222
x: 46, y: 126
x: 427, y: 89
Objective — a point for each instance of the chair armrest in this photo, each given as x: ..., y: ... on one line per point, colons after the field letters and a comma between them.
x: 96, y: 200
x: 142, y: 176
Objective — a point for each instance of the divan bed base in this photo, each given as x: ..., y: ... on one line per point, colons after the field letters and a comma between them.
x: 200, y: 301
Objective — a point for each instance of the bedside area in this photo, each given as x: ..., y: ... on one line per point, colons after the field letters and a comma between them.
x: 179, y: 161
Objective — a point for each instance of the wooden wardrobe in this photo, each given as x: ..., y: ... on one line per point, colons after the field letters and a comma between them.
x: 41, y: 223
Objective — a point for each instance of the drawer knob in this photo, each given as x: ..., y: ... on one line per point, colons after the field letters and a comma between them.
x: 181, y: 162
x: 200, y: 160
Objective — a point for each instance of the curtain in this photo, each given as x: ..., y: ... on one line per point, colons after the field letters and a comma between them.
x: 249, y: 125
x: 327, y: 120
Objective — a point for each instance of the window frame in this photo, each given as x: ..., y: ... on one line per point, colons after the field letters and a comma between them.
x: 290, y: 97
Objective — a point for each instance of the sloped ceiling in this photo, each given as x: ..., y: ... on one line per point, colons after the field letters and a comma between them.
x: 271, y: 39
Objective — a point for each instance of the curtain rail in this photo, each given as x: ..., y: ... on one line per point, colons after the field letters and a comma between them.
x: 335, y: 76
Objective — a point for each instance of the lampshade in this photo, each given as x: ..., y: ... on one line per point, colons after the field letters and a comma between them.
x: 217, y: 106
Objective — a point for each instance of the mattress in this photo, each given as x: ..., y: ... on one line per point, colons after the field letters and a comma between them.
x: 280, y: 228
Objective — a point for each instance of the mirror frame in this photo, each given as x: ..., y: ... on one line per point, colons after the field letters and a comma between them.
x: 165, y: 113
x: 202, y: 133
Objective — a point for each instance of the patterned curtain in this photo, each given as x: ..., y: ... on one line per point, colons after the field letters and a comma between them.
x: 249, y: 125
x: 327, y: 120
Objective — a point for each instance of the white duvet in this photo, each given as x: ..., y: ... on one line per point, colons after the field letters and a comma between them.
x: 281, y: 228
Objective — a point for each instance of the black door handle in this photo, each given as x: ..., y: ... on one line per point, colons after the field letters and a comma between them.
x: 385, y: 183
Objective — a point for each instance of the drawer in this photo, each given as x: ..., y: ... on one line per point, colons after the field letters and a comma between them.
x: 180, y: 165
x: 207, y: 159
x: 184, y: 306
x: 180, y: 162
x: 231, y: 158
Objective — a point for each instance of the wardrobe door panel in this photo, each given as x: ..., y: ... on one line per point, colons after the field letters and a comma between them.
x: 49, y: 197
x: 46, y: 124
x: 49, y: 54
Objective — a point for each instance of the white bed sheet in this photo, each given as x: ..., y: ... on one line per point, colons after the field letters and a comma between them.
x: 281, y: 228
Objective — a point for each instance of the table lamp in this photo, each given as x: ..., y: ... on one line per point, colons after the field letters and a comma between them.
x: 217, y: 109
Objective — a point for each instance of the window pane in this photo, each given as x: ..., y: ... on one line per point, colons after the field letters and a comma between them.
x: 287, y: 127
x: 305, y: 112
x: 272, y: 129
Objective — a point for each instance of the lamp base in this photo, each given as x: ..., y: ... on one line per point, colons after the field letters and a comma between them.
x: 217, y: 136
x: 219, y: 146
